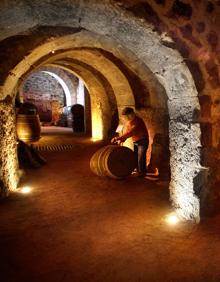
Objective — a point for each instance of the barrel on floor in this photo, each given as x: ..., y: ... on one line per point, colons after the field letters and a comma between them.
x: 113, y: 161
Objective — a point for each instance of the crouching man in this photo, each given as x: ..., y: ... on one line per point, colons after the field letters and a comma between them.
x: 136, y: 129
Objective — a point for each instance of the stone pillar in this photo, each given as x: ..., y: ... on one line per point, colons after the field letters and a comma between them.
x: 88, y: 125
x: 9, y: 174
x: 187, y: 175
x: 183, y: 163
x: 81, y: 93
x: 75, y: 83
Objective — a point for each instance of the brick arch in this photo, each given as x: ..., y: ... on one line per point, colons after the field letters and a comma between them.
x: 168, y: 68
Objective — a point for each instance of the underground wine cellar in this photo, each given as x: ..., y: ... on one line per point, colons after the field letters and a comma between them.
x: 68, y: 69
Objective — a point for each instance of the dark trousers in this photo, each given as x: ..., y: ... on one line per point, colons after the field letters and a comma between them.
x: 140, y: 150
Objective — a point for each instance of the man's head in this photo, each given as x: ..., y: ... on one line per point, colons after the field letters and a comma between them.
x: 128, y: 113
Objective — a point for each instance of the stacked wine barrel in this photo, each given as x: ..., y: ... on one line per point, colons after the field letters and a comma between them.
x: 28, y: 123
x: 113, y: 161
x: 28, y: 128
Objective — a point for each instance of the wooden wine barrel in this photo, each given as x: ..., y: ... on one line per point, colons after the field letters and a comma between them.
x: 113, y: 161
x: 28, y: 127
x: 77, y: 111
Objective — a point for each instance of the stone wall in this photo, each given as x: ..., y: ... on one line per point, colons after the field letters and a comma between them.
x: 46, y: 93
x: 9, y: 173
x: 69, y: 79
x: 43, y: 89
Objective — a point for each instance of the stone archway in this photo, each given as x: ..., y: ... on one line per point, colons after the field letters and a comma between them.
x: 164, y: 63
x: 100, y: 106
x: 64, y: 86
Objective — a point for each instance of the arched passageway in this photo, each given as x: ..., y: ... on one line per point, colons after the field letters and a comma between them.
x: 53, y: 91
x: 93, y: 32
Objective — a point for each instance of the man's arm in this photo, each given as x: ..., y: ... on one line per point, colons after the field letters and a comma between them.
x: 127, y: 134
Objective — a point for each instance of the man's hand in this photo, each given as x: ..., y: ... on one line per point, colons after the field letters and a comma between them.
x: 114, y: 140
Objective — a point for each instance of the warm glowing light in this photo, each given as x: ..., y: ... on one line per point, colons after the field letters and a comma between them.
x: 25, y: 190
x: 53, y: 52
x: 97, y: 127
x: 172, y: 219
x: 95, y: 139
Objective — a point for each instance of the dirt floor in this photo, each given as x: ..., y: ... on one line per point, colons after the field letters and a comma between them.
x: 75, y: 226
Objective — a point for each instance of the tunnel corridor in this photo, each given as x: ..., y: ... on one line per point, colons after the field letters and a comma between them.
x: 72, y: 67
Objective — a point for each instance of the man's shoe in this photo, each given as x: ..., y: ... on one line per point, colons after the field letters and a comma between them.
x: 138, y: 174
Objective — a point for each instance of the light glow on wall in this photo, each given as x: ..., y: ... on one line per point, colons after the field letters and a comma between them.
x: 97, y: 126
x: 172, y: 219
x: 25, y: 190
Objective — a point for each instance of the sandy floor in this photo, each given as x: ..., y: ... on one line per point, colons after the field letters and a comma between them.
x: 75, y: 226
